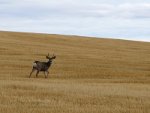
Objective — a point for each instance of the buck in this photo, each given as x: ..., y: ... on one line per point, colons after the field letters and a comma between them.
x: 42, y: 66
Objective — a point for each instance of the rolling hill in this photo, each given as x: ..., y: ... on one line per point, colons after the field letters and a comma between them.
x: 89, y: 75
x: 77, y: 57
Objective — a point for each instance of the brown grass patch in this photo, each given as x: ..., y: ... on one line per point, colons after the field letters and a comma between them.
x: 89, y: 75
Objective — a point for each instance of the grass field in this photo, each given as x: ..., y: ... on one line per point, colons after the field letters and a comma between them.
x: 89, y: 75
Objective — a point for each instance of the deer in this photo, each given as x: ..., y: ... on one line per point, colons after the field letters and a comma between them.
x: 42, y: 66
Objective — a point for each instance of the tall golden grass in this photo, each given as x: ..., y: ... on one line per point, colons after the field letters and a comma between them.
x: 89, y: 75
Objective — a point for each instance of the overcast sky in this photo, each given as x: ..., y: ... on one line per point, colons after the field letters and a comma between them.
x: 125, y: 19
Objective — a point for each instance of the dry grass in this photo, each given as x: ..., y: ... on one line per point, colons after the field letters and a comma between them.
x: 73, y: 96
x: 90, y: 75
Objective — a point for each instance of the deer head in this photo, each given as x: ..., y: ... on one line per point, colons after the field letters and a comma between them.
x: 50, y: 58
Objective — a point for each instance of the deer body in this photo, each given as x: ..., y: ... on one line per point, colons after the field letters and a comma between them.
x: 42, y: 66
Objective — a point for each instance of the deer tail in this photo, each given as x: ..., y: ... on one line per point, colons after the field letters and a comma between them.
x: 34, y: 63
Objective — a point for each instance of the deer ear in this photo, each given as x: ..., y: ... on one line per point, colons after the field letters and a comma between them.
x: 54, y: 56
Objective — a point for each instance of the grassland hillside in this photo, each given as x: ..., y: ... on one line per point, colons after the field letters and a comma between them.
x: 89, y: 75
x: 77, y: 57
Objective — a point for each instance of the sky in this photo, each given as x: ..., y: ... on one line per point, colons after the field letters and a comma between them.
x: 123, y: 19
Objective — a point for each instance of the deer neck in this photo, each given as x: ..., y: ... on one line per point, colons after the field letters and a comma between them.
x: 49, y: 62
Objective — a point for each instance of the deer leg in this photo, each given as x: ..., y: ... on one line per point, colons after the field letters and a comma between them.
x: 37, y: 73
x: 45, y: 74
x: 31, y: 72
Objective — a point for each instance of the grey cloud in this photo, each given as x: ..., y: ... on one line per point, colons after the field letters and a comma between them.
x: 134, y: 10
x: 86, y: 17
x: 39, y: 9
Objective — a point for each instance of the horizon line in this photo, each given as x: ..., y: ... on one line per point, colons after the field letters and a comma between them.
x: 83, y: 36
